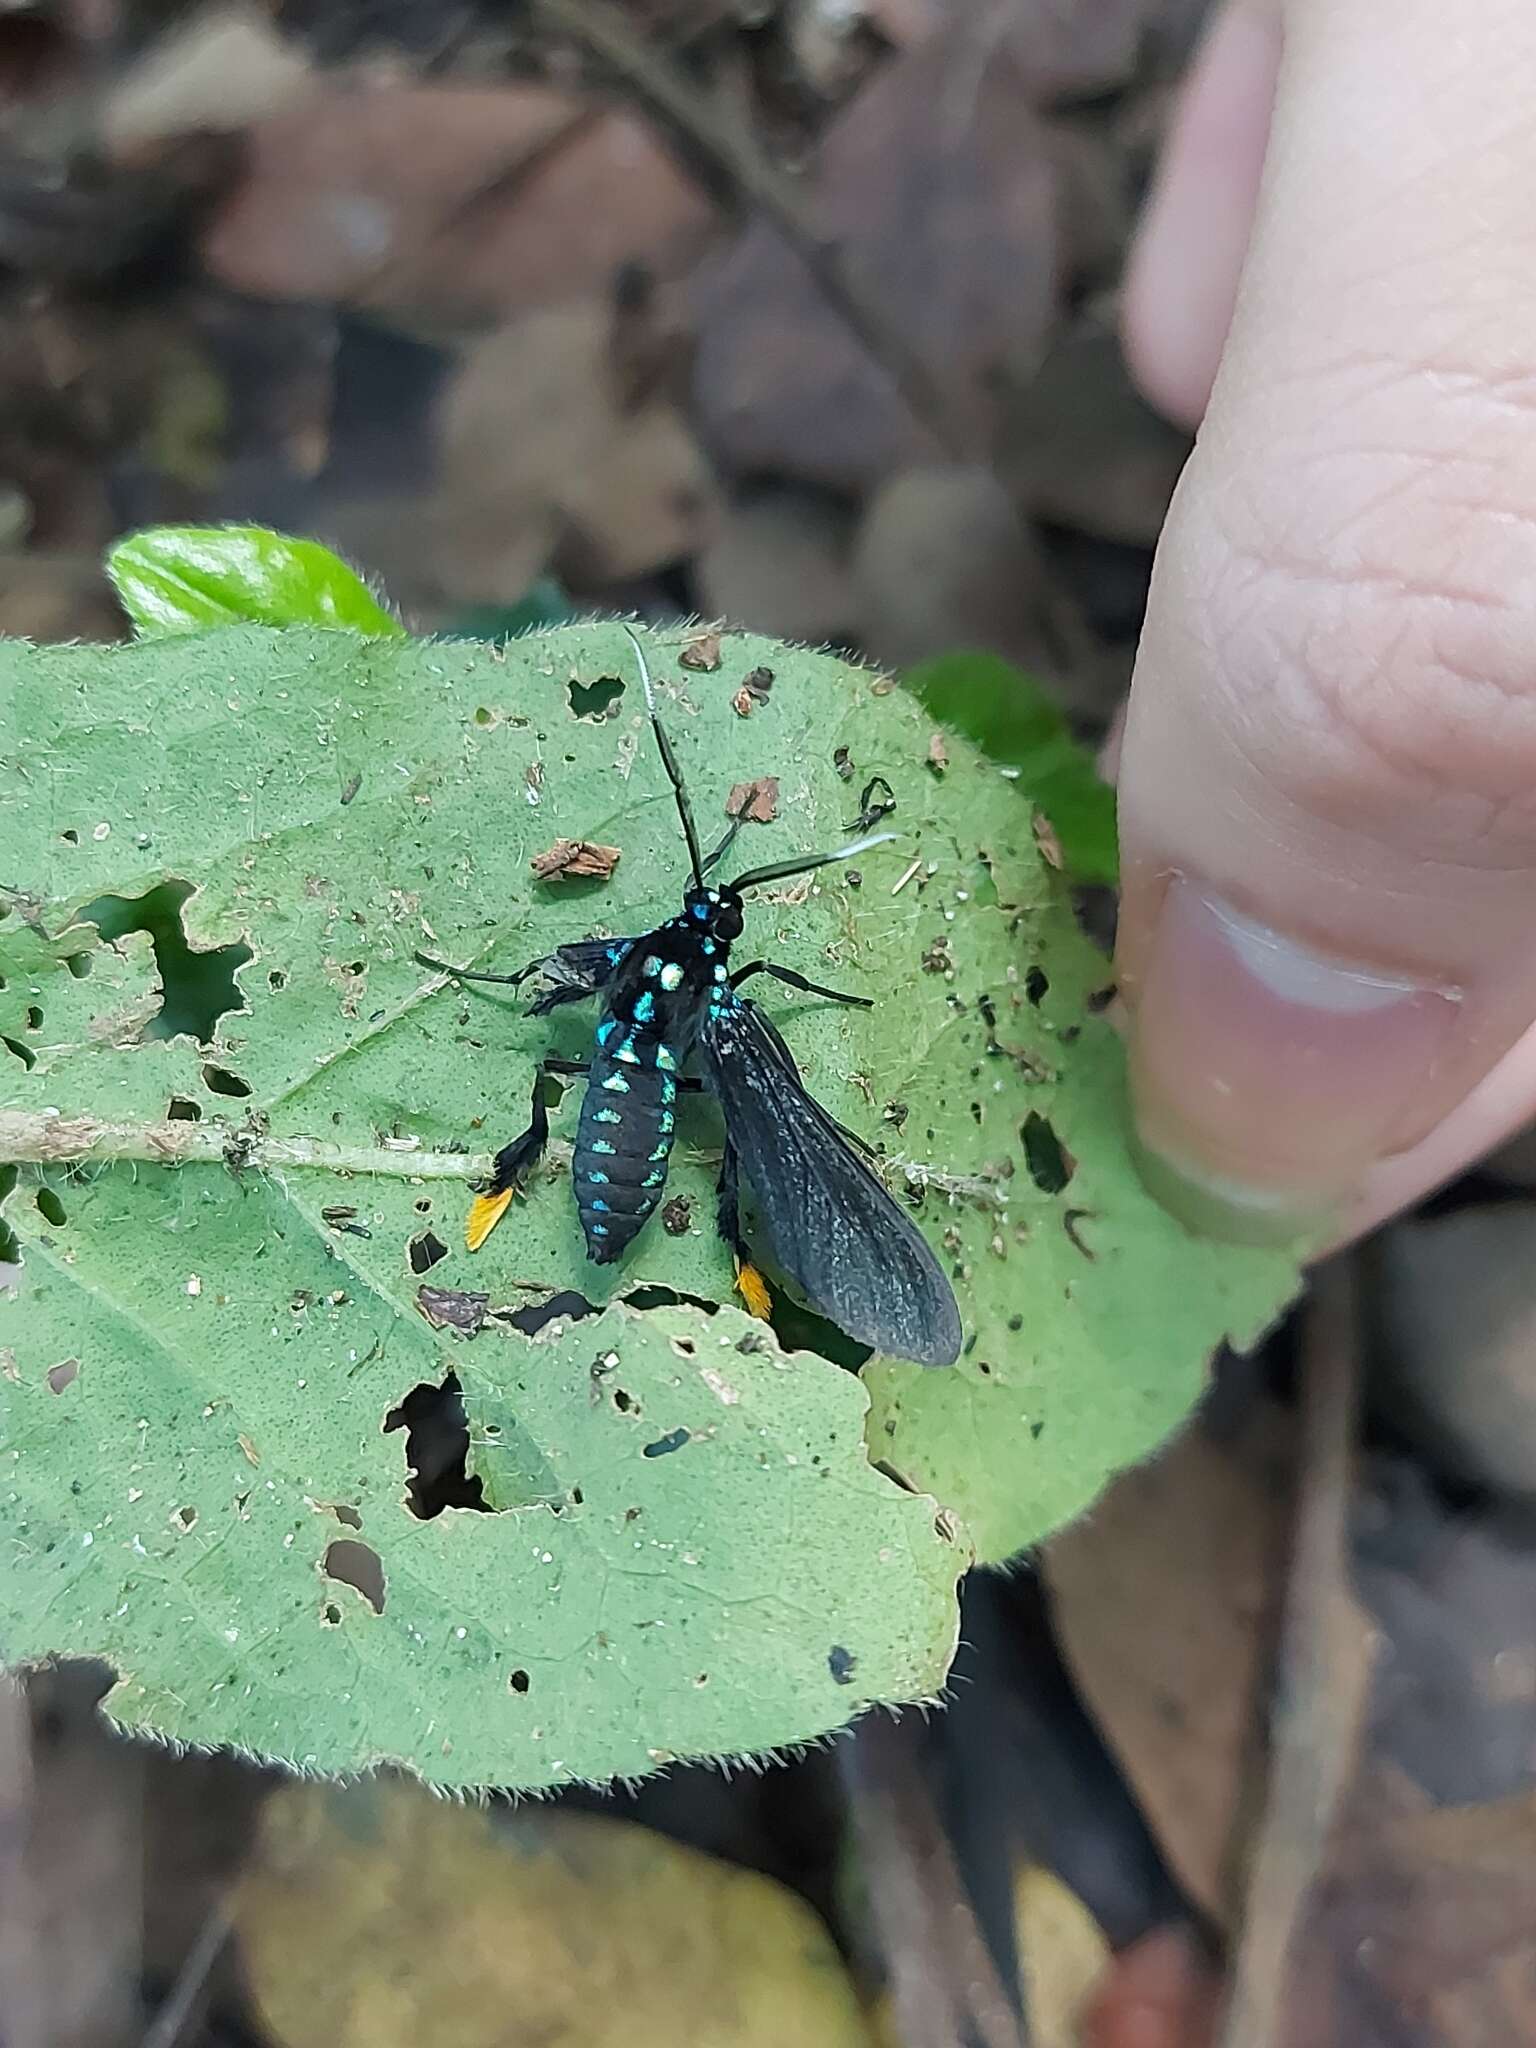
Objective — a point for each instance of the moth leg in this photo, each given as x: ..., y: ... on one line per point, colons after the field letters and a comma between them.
x: 792, y: 980
x: 514, y: 1162
x: 750, y: 1284
x: 477, y: 973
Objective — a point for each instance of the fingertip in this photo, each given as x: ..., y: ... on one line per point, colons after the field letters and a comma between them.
x: 1181, y: 282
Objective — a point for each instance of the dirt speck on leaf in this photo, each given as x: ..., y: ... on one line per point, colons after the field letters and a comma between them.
x: 757, y: 801
x: 450, y: 1308
x: 744, y: 703
x: 938, y: 753
x: 576, y: 859
x: 702, y: 652
x: 676, y: 1216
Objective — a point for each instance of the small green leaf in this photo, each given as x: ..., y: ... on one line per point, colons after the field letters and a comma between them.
x: 1013, y: 721
x: 191, y: 579
x: 545, y: 603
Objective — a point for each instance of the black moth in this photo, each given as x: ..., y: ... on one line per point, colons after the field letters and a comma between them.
x: 670, y: 995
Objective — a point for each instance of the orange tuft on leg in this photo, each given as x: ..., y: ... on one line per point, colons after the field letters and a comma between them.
x: 485, y: 1212
x: 753, y: 1289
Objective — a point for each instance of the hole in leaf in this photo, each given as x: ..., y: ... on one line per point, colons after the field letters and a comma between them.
x: 79, y: 965
x: 1050, y: 1164
x: 801, y: 1329
x: 357, y: 1565
x: 63, y: 1375
x: 51, y: 1208
x: 10, y: 1248
x: 436, y: 1450
x: 349, y: 1518
x: 222, y: 1082
x: 330, y: 1614
x: 426, y: 1251
x: 34, y: 1018
x: 649, y: 1297
x: 518, y: 1681
x: 187, y: 1517
x: 1037, y: 985
x: 277, y: 980
x: 179, y: 1110
x: 23, y: 1053
x: 595, y: 701
x: 552, y: 1091
x: 197, y: 987
x: 70, y: 836
x: 566, y: 1305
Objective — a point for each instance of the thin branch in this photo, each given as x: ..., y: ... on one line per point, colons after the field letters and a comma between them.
x: 735, y: 155
x: 41, y: 1139
x: 1327, y: 1651
x: 170, y: 2023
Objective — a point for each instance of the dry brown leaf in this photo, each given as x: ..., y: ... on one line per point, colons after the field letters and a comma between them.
x: 459, y: 204
x: 701, y: 652
x: 378, y: 1917
x: 577, y: 859
x: 1046, y: 840
x: 541, y: 452
x: 779, y: 565
x: 936, y: 188
x: 757, y: 802
x: 1164, y: 1597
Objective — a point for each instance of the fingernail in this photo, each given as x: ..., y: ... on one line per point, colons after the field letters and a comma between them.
x: 1267, y: 1079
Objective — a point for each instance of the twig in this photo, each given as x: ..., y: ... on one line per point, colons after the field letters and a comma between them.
x: 944, y: 1986
x: 43, y: 1139
x: 736, y: 156
x: 169, y: 2023
x: 1327, y: 1651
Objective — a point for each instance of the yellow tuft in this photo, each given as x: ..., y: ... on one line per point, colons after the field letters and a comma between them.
x: 485, y: 1212
x: 753, y: 1289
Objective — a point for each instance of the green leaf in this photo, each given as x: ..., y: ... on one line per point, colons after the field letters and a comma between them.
x: 544, y: 604
x: 206, y: 1355
x: 1014, y: 722
x: 191, y: 579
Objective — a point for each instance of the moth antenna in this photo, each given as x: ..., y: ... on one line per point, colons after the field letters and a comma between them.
x: 781, y: 870
x: 669, y: 762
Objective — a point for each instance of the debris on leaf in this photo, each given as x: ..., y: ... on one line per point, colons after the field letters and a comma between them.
x: 533, y: 781
x: 756, y: 802
x: 757, y: 682
x: 701, y: 652
x: 580, y: 859
x: 877, y: 800
x: 450, y: 1308
x: 842, y: 761
x: 1046, y: 840
x: 744, y: 703
x: 938, y: 753
x: 676, y: 1216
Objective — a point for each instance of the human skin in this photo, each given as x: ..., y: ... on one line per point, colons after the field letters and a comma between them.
x: 1327, y: 772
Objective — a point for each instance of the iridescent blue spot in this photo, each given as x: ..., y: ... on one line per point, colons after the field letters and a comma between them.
x: 626, y: 1054
x: 600, y: 1179
x: 645, y: 1007
x: 606, y: 1029
x: 665, y: 1120
x: 720, y: 972
x: 616, y: 954
x: 671, y: 976
x: 661, y: 1151
x: 668, y: 1088
x: 608, y: 1116
x: 597, y: 1230
x: 599, y: 1204
x: 653, y: 1180
x: 615, y: 1084
x: 698, y: 910
x: 665, y: 1059
x: 652, y: 966
x: 708, y: 946
x: 601, y: 1145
